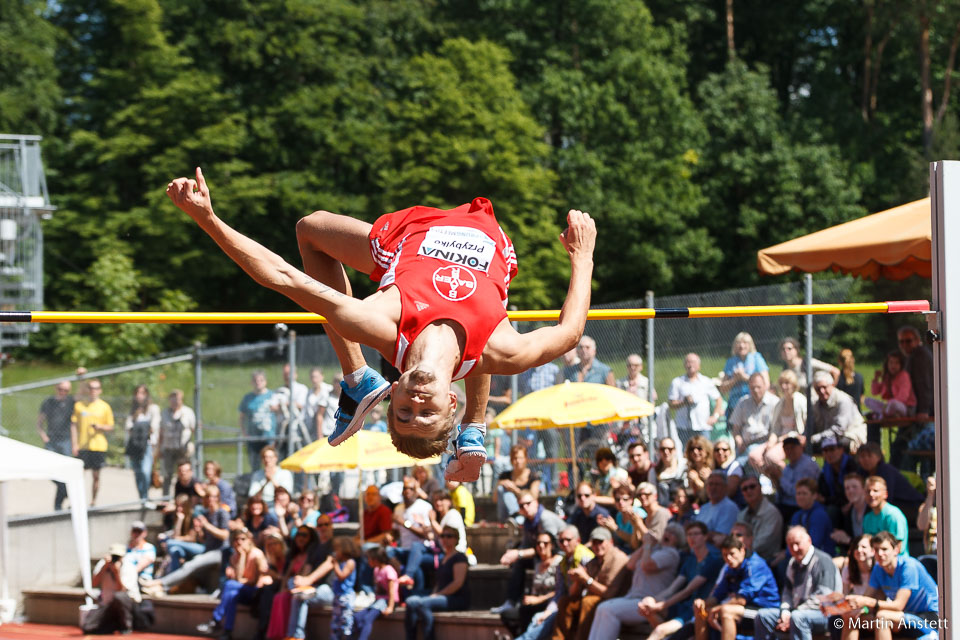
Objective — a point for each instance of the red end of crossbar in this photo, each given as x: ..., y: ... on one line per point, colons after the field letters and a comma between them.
x: 908, y: 306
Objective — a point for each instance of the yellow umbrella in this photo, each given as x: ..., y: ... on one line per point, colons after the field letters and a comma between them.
x: 366, y: 451
x: 573, y: 404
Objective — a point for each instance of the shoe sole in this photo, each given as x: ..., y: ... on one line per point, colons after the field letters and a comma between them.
x: 371, y: 400
x: 472, y: 462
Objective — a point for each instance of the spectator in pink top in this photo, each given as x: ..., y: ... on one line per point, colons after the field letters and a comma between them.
x: 894, y: 386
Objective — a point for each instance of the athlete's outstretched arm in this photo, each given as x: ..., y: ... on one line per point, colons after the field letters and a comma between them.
x: 477, y: 390
x: 348, y: 316
x: 511, y: 352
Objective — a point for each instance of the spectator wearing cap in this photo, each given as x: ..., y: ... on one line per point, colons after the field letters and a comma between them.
x: 140, y: 552
x: 764, y: 519
x: 799, y: 465
x: 835, y: 414
x: 812, y: 516
x: 720, y: 513
x: 883, y: 516
x: 654, y: 567
x: 116, y: 578
x: 837, y: 463
x: 600, y: 579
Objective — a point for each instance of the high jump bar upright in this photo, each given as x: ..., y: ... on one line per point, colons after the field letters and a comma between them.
x: 175, y: 317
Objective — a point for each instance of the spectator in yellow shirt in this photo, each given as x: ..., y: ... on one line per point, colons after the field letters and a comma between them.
x: 462, y: 501
x: 92, y: 419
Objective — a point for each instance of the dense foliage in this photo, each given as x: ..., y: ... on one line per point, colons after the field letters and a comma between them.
x: 694, y: 146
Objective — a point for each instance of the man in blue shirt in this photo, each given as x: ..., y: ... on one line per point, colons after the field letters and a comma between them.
x: 720, y: 513
x: 901, y: 594
x: 258, y: 418
x: 799, y: 466
x: 744, y: 586
x: 813, y: 516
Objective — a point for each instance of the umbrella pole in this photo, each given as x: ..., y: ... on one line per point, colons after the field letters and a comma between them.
x: 360, y: 503
x: 576, y: 463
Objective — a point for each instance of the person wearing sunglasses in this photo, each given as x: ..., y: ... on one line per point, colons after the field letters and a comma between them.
x: 599, y: 579
x: 450, y: 593
x: 669, y: 472
x: 574, y: 555
x: 314, y: 588
x: 517, y: 618
x: 725, y: 461
x: 587, y: 514
x: 763, y: 517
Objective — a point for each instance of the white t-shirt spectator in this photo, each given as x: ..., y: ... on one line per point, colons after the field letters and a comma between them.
x: 453, y: 519
x: 702, y: 390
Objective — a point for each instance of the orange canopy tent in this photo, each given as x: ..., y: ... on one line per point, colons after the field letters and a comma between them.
x: 892, y: 244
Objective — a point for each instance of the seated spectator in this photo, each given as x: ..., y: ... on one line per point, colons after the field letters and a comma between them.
x: 810, y: 573
x: 141, y: 553
x: 720, y: 512
x: 788, y: 420
x: 426, y: 483
x: 639, y: 468
x: 256, y: 518
x: 657, y: 518
x: 536, y: 521
x: 213, y: 532
x: 850, y: 382
x: 793, y: 362
x: 412, y: 518
x: 313, y: 587
x: 927, y: 518
x: 462, y: 501
x: 599, y: 579
x: 902, y: 493
x: 892, y: 384
x: 228, y: 497
x: 837, y: 463
x: 182, y: 531
x: 744, y: 361
x: 699, y: 455
x: 744, y: 586
x: 698, y: 573
x: 812, y: 516
x: 444, y: 516
x: 883, y: 516
x: 669, y: 472
x: 377, y: 517
x: 682, y: 508
x: 307, y: 512
x: 835, y: 414
x: 764, y: 519
x: 517, y: 618
x: 902, y: 594
x: 624, y: 524
x: 298, y: 564
x: 852, y: 513
x: 275, y: 551
x: 246, y: 573
x: 386, y: 581
x: 855, y: 567
x: 654, y: 565
x: 690, y: 396
x: 609, y: 477
x: 284, y: 510
x: 450, y: 593
x: 725, y: 461
x: 119, y: 594
x: 586, y: 514
x: 263, y: 481
x: 344, y: 566
x: 574, y: 555
x: 799, y: 466
x: 186, y: 485
x: 514, y: 482
x: 750, y: 421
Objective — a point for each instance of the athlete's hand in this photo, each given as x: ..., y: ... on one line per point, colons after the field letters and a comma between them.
x: 457, y: 471
x: 580, y: 236
x: 192, y: 196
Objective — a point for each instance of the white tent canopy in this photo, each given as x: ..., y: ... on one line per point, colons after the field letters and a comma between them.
x: 19, y: 461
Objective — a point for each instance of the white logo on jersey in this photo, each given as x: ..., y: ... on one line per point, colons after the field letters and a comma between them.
x: 420, y: 305
x: 465, y: 246
x: 454, y: 283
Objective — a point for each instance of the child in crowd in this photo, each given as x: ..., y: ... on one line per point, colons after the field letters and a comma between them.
x: 386, y: 588
x: 894, y: 386
x: 345, y: 569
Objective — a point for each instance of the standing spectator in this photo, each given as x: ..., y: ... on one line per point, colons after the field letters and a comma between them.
x: 317, y: 404
x: 851, y: 526
x: 586, y: 514
x: 850, y: 382
x: 750, y: 421
x: 670, y: 471
x: 725, y: 461
x: 177, y: 424
x: 451, y: 592
x: 228, y: 497
x: 902, y: 594
x: 793, y: 361
x: 639, y: 468
x: 53, y: 425
x: 290, y: 400
x: 537, y: 378
x: 699, y: 455
x: 812, y: 516
x: 892, y: 384
x: 835, y: 414
x: 789, y: 419
x: 246, y: 573
x: 589, y: 369
x: 610, y: 476
x: 598, y: 580
x: 764, y: 519
x: 920, y: 367
x: 517, y: 618
x: 690, y: 395
x: 257, y: 418
x: 654, y: 567
x: 501, y: 392
x: 744, y: 361
x: 883, y: 516
x: 810, y: 573
x: 270, y: 476
x: 837, y: 463
x: 142, y: 431
x: 90, y: 423
x: 119, y: 594
x: 744, y: 586
x: 574, y: 555
x: 512, y: 483
x: 698, y: 573
x: 799, y: 466
x: 927, y: 518
x: 720, y: 513
x: 635, y: 382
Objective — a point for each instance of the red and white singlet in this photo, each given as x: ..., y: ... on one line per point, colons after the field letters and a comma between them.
x: 448, y: 264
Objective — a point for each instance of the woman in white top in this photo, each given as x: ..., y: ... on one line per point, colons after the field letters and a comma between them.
x: 789, y: 419
x: 856, y: 566
x: 725, y: 461
x: 142, y: 430
x: 793, y: 361
x: 669, y: 472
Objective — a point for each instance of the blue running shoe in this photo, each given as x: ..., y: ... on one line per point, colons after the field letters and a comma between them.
x: 469, y: 453
x: 355, y: 404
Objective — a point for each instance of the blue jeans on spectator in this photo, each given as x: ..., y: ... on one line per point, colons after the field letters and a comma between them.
x: 420, y: 609
x: 410, y: 558
x: 233, y: 593
x: 507, y: 504
x: 364, y: 570
x: 142, y: 471
x: 539, y: 631
x: 803, y: 624
x: 182, y: 550
x: 363, y: 619
x: 299, y: 609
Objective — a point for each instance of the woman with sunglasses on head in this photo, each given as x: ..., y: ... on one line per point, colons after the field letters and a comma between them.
x: 725, y: 460
x: 297, y: 564
x: 246, y: 574
x: 699, y: 456
x: 517, y: 619
x: 669, y: 472
x: 451, y: 592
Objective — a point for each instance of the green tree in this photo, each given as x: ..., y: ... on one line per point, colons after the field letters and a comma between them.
x: 29, y: 94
